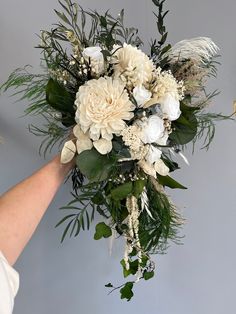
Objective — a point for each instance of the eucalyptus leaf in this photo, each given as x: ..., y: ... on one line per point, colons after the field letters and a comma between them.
x: 94, y: 166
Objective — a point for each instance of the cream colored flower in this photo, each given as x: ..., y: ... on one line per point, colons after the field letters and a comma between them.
x: 132, y: 138
x: 165, y: 83
x: 132, y: 65
x: 103, y: 105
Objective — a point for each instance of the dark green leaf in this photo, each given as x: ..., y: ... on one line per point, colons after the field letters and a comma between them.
x: 148, y: 275
x: 59, y: 98
x: 126, y: 292
x: 170, y: 182
x: 185, y: 128
x: 102, y: 231
x: 94, y: 166
x: 133, y: 268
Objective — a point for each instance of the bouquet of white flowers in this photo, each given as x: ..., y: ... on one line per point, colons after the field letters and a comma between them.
x: 128, y: 115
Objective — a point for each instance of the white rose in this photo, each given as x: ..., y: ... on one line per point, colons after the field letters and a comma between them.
x: 153, y: 155
x: 163, y: 140
x: 152, y: 129
x: 96, y: 58
x: 170, y: 106
x: 141, y: 95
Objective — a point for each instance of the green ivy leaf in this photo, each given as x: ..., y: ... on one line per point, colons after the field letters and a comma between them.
x: 122, y: 191
x: 126, y: 292
x: 133, y: 268
x: 170, y: 182
x: 102, y: 231
x: 148, y: 275
x: 94, y: 166
x: 59, y: 98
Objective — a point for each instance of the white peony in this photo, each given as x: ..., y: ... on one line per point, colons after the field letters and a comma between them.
x: 152, y: 129
x: 170, y: 106
x: 141, y: 95
x: 103, y: 105
x: 94, y: 56
x: 153, y: 154
x: 132, y: 65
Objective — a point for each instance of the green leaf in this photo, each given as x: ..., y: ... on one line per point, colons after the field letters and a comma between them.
x: 126, y: 292
x: 102, y: 231
x: 98, y: 198
x: 59, y: 98
x: 148, y: 275
x: 133, y: 268
x: 122, y: 191
x: 63, y: 17
x: 138, y: 187
x: 185, y: 128
x: 170, y: 182
x: 94, y: 166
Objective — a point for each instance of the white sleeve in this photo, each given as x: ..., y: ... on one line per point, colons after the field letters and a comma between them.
x: 9, y: 285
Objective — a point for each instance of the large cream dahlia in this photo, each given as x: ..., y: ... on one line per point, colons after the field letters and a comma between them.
x: 132, y: 65
x: 102, y: 107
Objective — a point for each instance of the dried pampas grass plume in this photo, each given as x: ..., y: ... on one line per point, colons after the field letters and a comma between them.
x: 199, y: 49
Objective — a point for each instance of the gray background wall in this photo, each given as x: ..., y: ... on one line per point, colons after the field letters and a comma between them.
x: 198, y: 277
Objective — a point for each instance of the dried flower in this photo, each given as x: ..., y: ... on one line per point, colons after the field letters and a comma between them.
x: 102, y: 107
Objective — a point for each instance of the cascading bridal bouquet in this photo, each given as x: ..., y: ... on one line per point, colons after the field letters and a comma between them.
x: 124, y: 116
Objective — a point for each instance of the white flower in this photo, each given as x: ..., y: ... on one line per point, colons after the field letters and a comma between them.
x: 96, y: 59
x: 170, y: 106
x: 152, y: 129
x: 68, y: 152
x: 153, y: 154
x: 164, y: 83
x: 141, y: 95
x: 132, y: 65
x: 102, y: 107
x: 161, y: 168
x: 83, y: 141
x: 163, y: 140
